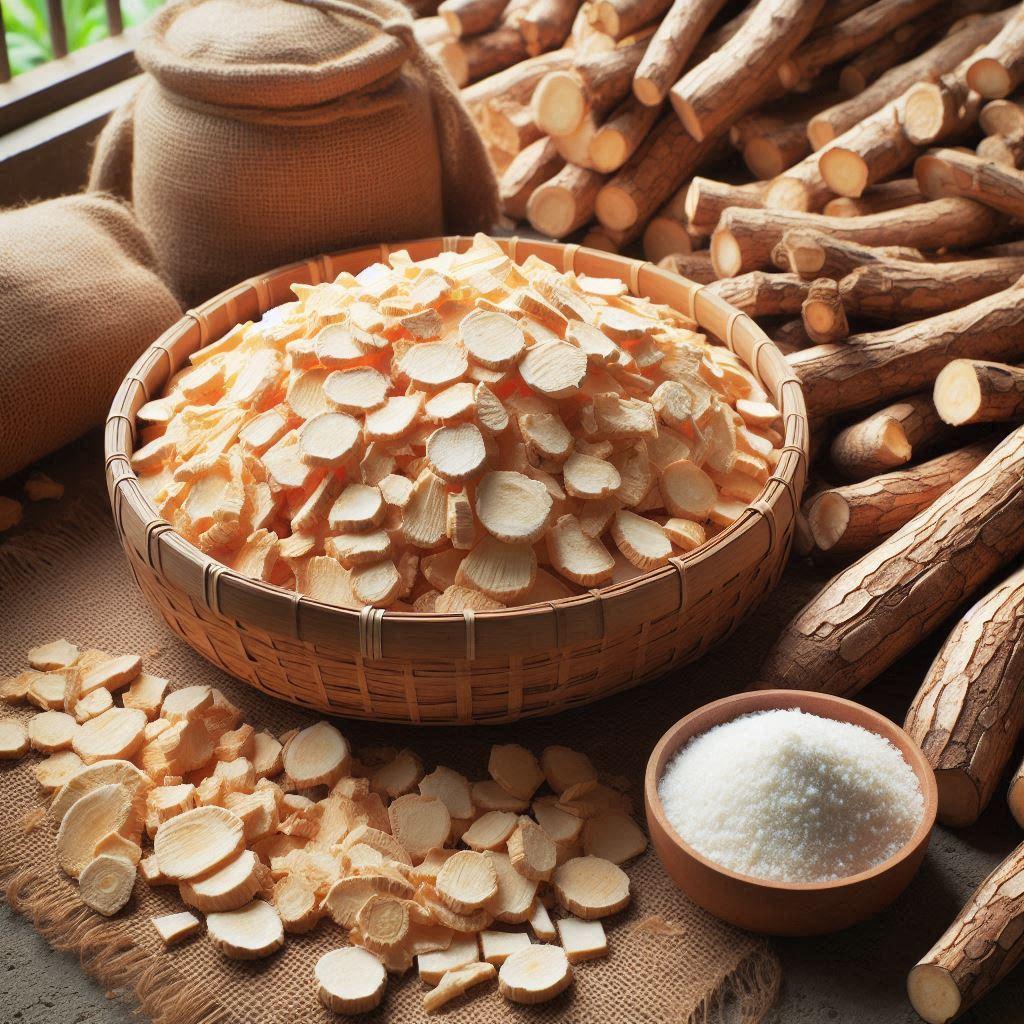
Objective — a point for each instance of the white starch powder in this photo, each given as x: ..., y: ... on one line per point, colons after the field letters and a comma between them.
x: 792, y: 797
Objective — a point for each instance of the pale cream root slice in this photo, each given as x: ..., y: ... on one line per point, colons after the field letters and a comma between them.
x: 112, y: 674
x: 117, y: 734
x: 453, y: 404
x: 357, y: 390
x: 316, y: 755
x: 500, y: 570
x: 455, y: 982
x: 175, y: 928
x: 398, y: 776
x: 296, y: 901
x: 641, y: 540
x: 91, y: 777
x: 462, y: 950
x: 613, y: 835
x: 106, y: 809
x: 56, y: 654
x: 419, y: 823
x: 688, y: 491
x: 513, y: 507
x: 490, y: 413
x: 379, y: 584
x: 339, y: 346
x: 532, y: 851
x: 105, y: 884
x: 496, y: 947
x: 92, y: 705
x: 394, y: 419
x: 358, y: 549
x: 535, y: 974
x: 57, y: 769
x: 590, y: 478
x: 14, y: 689
x: 50, y: 731
x: 562, y: 826
x: 350, y: 980
x: 186, y: 704
x: 425, y: 516
x: 267, y: 759
x: 383, y: 841
x: 197, y: 842
x: 249, y: 933
x: 490, y: 831
x: 546, y: 435
x: 493, y: 340
x: 513, y: 901
x: 591, y: 887
x: 451, y: 788
x: 456, y: 453
x: 467, y: 881
x: 46, y: 691
x: 582, y: 940
x: 459, y: 599
x: 555, y: 369
x: 427, y: 869
x: 347, y: 896
x: 329, y: 439
x: 685, y: 534
x: 564, y: 767
x: 116, y: 845
x: 489, y: 795
x: 358, y: 507
x: 515, y: 769
x: 383, y: 922
x: 14, y: 741
x: 434, y: 364
x: 577, y: 557
x: 228, y: 888
x: 599, y: 348
x: 540, y: 922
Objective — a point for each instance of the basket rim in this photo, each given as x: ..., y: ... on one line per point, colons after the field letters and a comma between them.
x: 787, y: 479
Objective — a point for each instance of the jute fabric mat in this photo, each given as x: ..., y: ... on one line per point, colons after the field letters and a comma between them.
x: 63, y: 574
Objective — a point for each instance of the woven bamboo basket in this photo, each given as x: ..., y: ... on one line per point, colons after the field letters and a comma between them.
x: 434, y: 669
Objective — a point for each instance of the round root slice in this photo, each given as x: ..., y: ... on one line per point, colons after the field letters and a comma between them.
x: 513, y: 902
x: 451, y: 788
x: 318, y: 754
x: 420, y: 823
x: 535, y: 974
x: 50, y: 731
x: 249, y: 933
x: 554, y: 368
x: 57, y: 769
x: 338, y: 347
x: 444, y: 916
x: 515, y: 769
x: 489, y: 795
x: 329, y: 439
x: 466, y: 881
x: 498, y: 569
x: 116, y: 734
x: 298, y: 904
x: 350, y: 980
x: 493, y: 340
x: 614, y: 836
x: 395, y: 418
x: 563, y: 827
x: 357, y: 390
x: 687, y: 490
x: 105, y: 884
x: 383, y: 922
x: 378, y: 584
x: 54, y: 655
x: 577, y: 557
x: 641, y: 540
x: 93, y: 776
x: 532, y: 851
x: 590, y: 478
x: 106, y: 809
x: 358, y: 507
x: 512, y: 507
x: 490, y: 831
x: 197, y: 842
x: 228, y: 888
x: 456, y: 453
x: 386, y: 843
x: 399, y: 775
x: 13, y: 739
x: 564, y: 767
x: 187, y: 704
x: 306, y: 396
x: 546, y: 434
x: 591, y: 887
x: 434, y: 364
x: 453, y: 404
x: 47, y: 691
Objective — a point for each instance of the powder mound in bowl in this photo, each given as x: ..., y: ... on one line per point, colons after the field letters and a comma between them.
x: 792, y: 797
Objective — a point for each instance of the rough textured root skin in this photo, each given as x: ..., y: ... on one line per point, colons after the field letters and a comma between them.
x: 744, y: 239
x: 822, y: 311
x: 977, y: 950
x: 620, y: 18
x: 998, y: 69
x: 478, y: 57
x: 1006, y: 150
x: 847, y: 521
x: 969, y: 710
x: 868, y: 368
x: 517, y: 82
x: 761, y: 294
x: 899, y: 290
x: 565, y: 202
x: 887, y: 195
x: 883, y: 604
x: 1001, y: 117
x: 770, y: 154
x: 696, y: 266
x: 894, y: 49
x: 546, y: 24
x: 813, y: 253
x: 950, y: 172
x: 720, y: 88
x: 537, y: 163
x: 471, y: 17
x: 621, y: 135
x: 976, y: 391
x: 706, y: 200
x: 933, y: 111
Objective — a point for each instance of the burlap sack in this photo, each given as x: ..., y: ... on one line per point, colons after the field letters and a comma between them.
x: 79, y: 301
x: 270, y: 130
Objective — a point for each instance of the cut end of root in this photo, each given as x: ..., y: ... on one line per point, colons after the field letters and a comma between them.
x: 665, y: 237
x: 988, y: 77
x: 685, y: 112
x: 925, y: 110
x: 647, y: 92
x: 844, y: 171
x: 726, y: 257
x: 787, y: 194
x: 608, y: 150
x: 763, y: 158
x: 933, y: 993
x: 1015, y: 798
x: 819, y: 133
x: 957, y: 393
x: 894, y: 441
x: 550, y: 211
x: 615, y: 209
x: 558, y: 103
x: 828, y: 519
x: 933, y: 177
x: 959, y: 804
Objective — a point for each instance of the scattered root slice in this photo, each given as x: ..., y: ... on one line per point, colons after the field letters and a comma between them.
x: 395, y: 418
x: 434, y: 365
x: 383, y: 922
x: 490, y: 831
x: 442, y: 914
x: 398, y: 776
x: 175, y: 928
x: 540, y: 922
x: 249, y: 933
x: 420, y: 823
x: 50, y: 731
x: 456, y: 453
x: 316, y: 755
x: 379, y: 584
x: 582, y: 940
x: 535, y: 974
x: 187, y: 704
x: 467, y: 881
x: 688, y: 491
x: 93, y: 705
x: 346, y: 896
x: 54, y: 655
x: 641, y: 540
x: 591, y: 887
x: 116, y: 845
x: 582, y: 559
x: 513, y: 507
x: 502, y: 571
x: 546, y: 435
x: 57, y: 769
x: 329, y: 439
x: 456, y: 982
x: 453, y: 404
x: 384, y: 842
x: 532, y: 851
x: 590, y: 478
x: 491, y: 796
x: 227, y: 888
x: 555, y: 369
x: 198, y: 842
x: 513, y: 901
x: 564, y: 767
x: 562, y: 826
x: 589, y: 798
x: 105, y: 884
x: 685, y: 534
x: 14, y: 740
x: 91, y: 777
x: 117, y: 734
x: 357, y: 390
x: 614, y: 836
x: 451, y: 788
x: 462, y: 950
x: 358, y: 507
x: 267, y: 759
x: 46, y: 691
x: 297, y: 903
x: 493, y: 340
x: 350, y: 980
x: 497, y: 947
x: 460, y: 599
x: 112, y: 674
x: 427, y: 870
x: 14, y: 689
x: 106, y: 809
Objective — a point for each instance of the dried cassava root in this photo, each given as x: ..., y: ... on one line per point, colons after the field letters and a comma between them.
x: 266, y: 837
x: 447, y: 435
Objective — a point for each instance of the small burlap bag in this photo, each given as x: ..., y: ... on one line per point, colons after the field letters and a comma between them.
x: 268, y: 130
x: 79, y: 300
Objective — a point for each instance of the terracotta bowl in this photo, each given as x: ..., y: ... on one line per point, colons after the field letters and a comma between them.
x: 778, y: 908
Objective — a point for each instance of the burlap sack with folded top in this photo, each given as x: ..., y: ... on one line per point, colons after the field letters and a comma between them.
x: 79, y: 301
x: 271, y: 130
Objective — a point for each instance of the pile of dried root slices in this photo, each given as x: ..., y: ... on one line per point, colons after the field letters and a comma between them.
x: 458, y: 433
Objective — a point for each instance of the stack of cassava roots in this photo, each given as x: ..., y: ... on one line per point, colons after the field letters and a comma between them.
x: 848, y: 173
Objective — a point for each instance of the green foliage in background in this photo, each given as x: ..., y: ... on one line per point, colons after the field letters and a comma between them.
x: 28, y: 28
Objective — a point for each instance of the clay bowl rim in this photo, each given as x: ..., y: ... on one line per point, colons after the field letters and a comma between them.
x: 768, y: 700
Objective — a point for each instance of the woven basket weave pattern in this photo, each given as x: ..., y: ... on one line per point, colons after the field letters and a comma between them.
x: 457, y: 668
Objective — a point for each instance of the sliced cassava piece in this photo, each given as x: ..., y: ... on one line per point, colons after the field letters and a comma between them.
x: 462, y: 950
x: 350, y: 980
x: 532, y: 851
x: 57, y: 769
x: 467, y: 881
x: 92, y: 705
x: 540, y: 922
x: 383, y: 922
x: 105, y: 809
x: 316, y: 755
x: 116, y: 734
x: 399, y: 775
x: 249, y: 933
x: 419, y: 823
x: 515, y: 769
x: 198, y: 842
x: 226, y: 888
x: 496, y: 947
x: 490, y: 831
x: 489, y: 795
x: 582, y: 940
x: 46, y: 691
x: 563, y: 827
x: 455, y: 982
x: 329, y: 439
x: 175, y: 928
x: 50, y: 731
x: 355, y: 391
x: 591, y: 887
x: 564, y: 767
x: 451, y: 788
x: 513, y: 901
x: 535, y: 974
x: 456, y: 453
x: 187, y: 704
x: 91, y: 777
x: 688, y: 491
x: 613, y: 836
x: 641, y: 540
x: 105, y: 884
x: 577, y: 557
x: 112, y: 674
x: 513, y: 507
x: 14, y: 740
x: 55, y: 655
x: 493, y: 340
